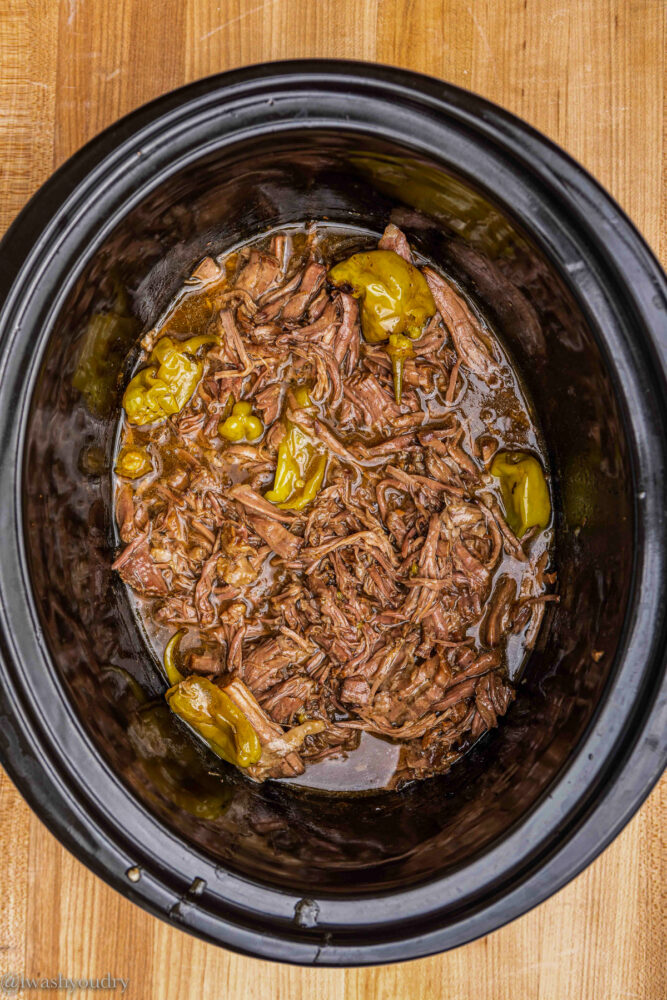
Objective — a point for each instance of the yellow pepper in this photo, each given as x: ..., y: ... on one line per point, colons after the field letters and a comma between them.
x: 166, y: 385
x: 213, y: 714
x: 302, y: 396
x: 395, y: 301
x: 241, y: 424
x: 524, y: 489
x: 300, y: 467
x: 133, y: 462
x: 395, y: 297
x: 171, y: 657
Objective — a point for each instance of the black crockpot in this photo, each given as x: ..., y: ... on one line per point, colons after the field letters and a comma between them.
x: 582, y: 304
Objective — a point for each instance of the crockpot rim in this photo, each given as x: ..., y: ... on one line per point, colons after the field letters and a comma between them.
x: 451, y: 99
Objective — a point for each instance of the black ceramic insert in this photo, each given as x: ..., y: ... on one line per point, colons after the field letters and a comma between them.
x: 582, y: 305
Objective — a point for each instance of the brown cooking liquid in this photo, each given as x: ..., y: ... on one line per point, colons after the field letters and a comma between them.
x: 499, y: 407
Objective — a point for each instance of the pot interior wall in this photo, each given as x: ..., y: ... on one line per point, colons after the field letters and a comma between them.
x: 270, y: 832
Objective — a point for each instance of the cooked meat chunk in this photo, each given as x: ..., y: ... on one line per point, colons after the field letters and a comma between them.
x: 344, y: 561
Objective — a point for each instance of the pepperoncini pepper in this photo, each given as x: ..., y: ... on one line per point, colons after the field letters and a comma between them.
x: 241, y: 424
x: 395, y: 300
x: 524, y: 489
x: 133, y: 462
x: 171, y: 657
x: 166, y: 385
x: 395, y: 295
x: 300, y: 468
x: 213, y: 714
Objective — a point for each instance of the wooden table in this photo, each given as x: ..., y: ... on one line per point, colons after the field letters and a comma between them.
x: 589, y: 73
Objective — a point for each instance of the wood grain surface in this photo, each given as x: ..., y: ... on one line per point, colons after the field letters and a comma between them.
x: 591, y: 75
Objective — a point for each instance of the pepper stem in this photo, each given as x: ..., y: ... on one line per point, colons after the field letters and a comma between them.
x: 399, y: 348
x: 397, y: 369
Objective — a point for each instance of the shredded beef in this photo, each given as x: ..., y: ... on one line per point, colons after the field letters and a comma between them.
x: 386, y: 603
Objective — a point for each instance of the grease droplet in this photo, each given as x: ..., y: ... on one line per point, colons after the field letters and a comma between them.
x: 134, y: 874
